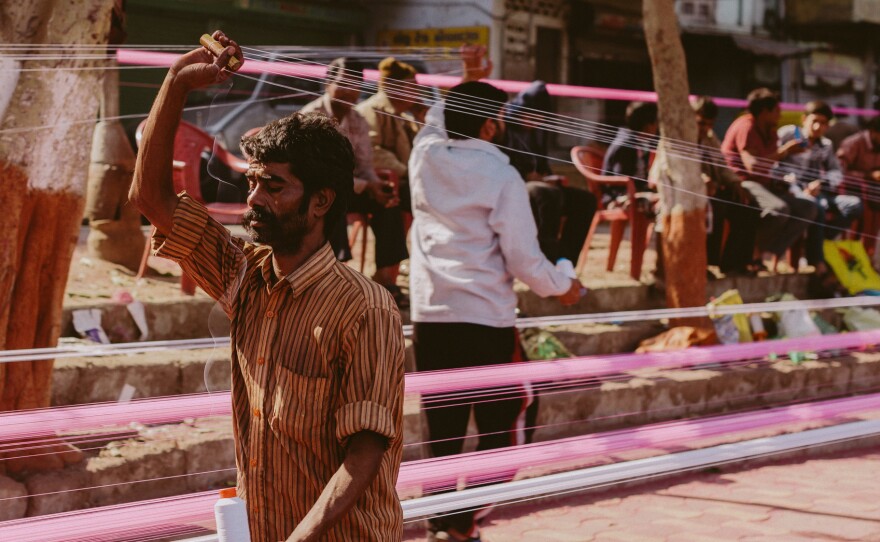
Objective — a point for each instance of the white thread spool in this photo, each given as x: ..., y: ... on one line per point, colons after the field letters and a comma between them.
x: 230, y: 513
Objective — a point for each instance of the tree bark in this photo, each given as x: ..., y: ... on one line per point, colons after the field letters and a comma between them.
x: 45, y: 139
x: 682, y: 192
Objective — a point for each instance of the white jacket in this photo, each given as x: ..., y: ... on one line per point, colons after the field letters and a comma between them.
x: 472, y: 233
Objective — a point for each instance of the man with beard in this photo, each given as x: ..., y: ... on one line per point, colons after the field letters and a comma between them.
x: 472, y: 233
x: 317, y: 349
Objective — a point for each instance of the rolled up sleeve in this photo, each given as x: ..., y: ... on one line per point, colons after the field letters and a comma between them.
x: 371, y: 391
x: 205, y: 250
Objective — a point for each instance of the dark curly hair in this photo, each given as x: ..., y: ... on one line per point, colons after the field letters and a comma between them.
x: 318, y: 154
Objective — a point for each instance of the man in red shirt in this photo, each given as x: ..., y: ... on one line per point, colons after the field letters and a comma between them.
x: 751, y: 150
x: 859, y: 157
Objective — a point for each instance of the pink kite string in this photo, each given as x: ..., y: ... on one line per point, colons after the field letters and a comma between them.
x: 174, y: 514
x: 434, y: 382
x: 44, y: 422
x: 150, y: 58
x: 486, y: 465
x: 660, y: 411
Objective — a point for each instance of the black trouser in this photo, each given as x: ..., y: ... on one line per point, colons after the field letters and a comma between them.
x: 784, y: 216
x: 739, y: 248
x: 456, y: 345
x: 550, y: 203
x: 387, y: 226
x: 843, y: 210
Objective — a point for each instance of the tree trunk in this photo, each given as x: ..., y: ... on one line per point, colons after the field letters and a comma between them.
x: 45, y: 139
x: 682, y: 193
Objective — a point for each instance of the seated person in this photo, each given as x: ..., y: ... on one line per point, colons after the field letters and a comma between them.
x: 526, y: 145
x: 728, y: 198
x: 859, y: 157
x: 630, y: 156
x: 391, y: 135
x: 752, y: 150
x: 815, y: 173
x: 372, y: 195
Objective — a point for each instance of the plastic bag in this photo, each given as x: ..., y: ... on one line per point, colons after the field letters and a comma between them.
x: 861, y: 319
x: 731, y: 328
x: 678, y: 338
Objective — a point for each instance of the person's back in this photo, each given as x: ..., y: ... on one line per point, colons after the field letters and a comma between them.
x: 461, y: 192
x: 472, y: 233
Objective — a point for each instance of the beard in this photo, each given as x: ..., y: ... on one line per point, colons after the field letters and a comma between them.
x: 284, y: 234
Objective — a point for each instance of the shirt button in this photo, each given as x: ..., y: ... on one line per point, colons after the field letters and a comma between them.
x: 261, y: 360
x: 257, y: 412
x: 270, y: 314
x: 253, y: 462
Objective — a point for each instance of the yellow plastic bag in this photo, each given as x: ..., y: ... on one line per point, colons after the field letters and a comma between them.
x: 851, y: 266
x: 730, y: 328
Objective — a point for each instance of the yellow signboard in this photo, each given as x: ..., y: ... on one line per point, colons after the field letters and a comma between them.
x: 435, y: 37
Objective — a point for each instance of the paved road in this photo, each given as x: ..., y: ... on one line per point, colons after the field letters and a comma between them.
x: 833, y: 498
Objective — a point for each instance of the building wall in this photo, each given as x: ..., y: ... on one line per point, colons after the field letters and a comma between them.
x: 411, y: 15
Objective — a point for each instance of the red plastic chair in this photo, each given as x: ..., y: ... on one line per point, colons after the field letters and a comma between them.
x: 588, y: 161
x: 360, y: 222
x: 189, y: 143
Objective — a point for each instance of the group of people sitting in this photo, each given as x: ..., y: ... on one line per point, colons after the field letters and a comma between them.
x: 771, y: 185
x: 768, y: 186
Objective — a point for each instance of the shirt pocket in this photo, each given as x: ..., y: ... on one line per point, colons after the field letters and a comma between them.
x: 300, y: 407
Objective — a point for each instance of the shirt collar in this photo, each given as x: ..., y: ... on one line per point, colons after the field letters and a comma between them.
x: 318, y: 265
x: 382, y: 102
x: 479, y: 145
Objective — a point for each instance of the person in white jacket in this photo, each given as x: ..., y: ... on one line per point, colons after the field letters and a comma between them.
x: 473, y: 232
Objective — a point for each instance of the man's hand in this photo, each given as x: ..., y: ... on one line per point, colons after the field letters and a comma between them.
x: 363, y: 459
x: 200, y: 68
x: 152, y: 190
x: 475, y: 64
x: 791, y: 148
x: 814, y: 188
x: 384, y: 193
x: 573, y: 295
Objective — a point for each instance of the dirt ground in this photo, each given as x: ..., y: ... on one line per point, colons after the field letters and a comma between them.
x: 93, y: 279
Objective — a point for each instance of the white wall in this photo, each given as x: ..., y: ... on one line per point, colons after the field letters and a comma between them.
x: 727, y: 14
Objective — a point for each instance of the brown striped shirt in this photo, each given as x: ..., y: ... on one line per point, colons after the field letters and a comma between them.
x: 316, y: 357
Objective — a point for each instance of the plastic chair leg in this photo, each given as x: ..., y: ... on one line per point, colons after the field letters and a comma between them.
x: 639, y: 235
x: 142, y: 269
x: 187, y: 284
x: 582, y: 258
x: 364, y: 234
x: 617, y: 229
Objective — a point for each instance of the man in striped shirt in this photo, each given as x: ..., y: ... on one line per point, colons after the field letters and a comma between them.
x: 317, y: 349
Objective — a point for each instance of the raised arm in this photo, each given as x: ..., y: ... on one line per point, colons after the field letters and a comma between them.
x: 152, y: 191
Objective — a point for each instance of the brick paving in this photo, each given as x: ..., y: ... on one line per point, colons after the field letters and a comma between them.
x: 834, y: 497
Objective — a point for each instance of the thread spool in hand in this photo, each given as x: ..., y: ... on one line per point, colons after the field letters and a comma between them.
x: 216, y: 49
